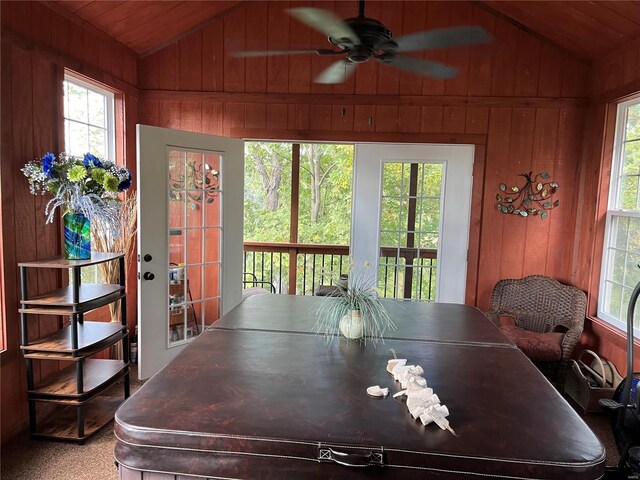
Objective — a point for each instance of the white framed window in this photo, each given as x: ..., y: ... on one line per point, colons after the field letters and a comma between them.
x: 89, y: 127
x: 621, y: 255
x: 89, y: 124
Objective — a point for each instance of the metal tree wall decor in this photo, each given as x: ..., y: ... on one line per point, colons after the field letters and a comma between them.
x: 196, y: 185
x: 533, y: 198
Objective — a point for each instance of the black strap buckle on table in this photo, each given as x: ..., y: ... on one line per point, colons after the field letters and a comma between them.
x: 371, y: 459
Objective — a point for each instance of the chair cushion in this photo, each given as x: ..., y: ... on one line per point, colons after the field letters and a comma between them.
x: 539, y: 347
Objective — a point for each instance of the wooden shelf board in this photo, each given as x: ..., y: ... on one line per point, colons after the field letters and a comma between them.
x: 68, y: 311
x: 90, y: 293
x: 62, y: 424
x: 90, y: 335
x: 78, y: 355
x: 60, y: 262
x: 97, y: 373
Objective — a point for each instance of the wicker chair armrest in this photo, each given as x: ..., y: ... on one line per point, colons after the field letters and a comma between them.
x: 572, y: 336
x: 494, y: 316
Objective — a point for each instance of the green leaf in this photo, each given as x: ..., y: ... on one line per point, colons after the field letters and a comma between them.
x: 544, y: 175
x: 544, y: 215
x: 546, y: 204
x: 523, y: 213
x: 503, y: 187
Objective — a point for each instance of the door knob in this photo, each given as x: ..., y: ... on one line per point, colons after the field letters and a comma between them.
x: 147, y: 258
x: 148, y: 276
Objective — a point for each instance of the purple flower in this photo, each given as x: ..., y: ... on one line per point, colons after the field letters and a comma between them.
x: 125, y: 183
x: 89, y: 159
x: 48, y: 161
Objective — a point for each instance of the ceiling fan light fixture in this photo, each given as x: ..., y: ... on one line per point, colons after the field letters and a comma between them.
x: 359, y: 54
x: 359, y: 39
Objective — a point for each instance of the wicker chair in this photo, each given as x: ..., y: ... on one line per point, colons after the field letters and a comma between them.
x: 540, y: 304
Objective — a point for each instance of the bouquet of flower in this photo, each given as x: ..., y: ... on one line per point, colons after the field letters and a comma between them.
x: 87, y: 186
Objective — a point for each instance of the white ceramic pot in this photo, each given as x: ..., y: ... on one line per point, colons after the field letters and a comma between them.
x: 352, y: 325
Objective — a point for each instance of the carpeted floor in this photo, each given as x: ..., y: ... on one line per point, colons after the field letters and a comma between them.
x: 24, y: 459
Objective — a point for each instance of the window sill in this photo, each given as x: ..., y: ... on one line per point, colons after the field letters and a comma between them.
x: 613, y: 333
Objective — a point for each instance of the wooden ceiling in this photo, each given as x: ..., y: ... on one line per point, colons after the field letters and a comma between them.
x: 145, y: 26
x: 587, y: 28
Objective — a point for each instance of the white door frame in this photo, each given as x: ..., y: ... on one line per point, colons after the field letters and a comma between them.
x: 455, y: 214
x: 152, y: 145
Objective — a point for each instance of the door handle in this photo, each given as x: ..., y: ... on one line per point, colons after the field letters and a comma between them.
x: 372, y: 459
x: 148, y: 276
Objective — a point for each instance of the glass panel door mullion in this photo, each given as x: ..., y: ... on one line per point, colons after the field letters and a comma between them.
x: 203, y: 310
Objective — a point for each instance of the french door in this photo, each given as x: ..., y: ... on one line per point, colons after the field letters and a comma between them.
x: 190, y: 204
x: 411, y: 213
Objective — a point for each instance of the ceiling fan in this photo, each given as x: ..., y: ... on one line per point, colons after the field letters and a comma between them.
x: 360, y: 39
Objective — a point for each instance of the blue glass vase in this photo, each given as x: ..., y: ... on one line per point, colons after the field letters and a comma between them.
x: 77, y: 236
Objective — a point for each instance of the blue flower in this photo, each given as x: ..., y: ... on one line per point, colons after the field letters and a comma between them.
x: 48, y: 161
x: 89, y: 159
x: 125, y: 183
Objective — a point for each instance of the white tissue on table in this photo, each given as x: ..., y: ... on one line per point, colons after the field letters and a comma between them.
x: 442, y: 422
x: 405, y: 376
x: 426, y: 417
x: 395, y: 362
x: 421, y: 405
x: 376, y: 391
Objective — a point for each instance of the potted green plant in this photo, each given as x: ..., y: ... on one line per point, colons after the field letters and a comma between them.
x: 354, y: 310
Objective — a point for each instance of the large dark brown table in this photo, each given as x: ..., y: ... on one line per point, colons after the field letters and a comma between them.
x: 258, y: 396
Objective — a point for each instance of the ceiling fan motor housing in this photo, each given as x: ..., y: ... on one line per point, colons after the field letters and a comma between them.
x: 373, y: 36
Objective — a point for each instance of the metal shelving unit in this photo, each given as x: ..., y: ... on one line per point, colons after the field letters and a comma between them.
x: 75, y: 389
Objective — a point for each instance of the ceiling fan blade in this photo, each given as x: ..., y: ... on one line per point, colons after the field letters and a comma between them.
x: 270, y: 53
x: 442, y: 38
x: 417, y: 65
x: 338, y: 72
x: 325, y: 22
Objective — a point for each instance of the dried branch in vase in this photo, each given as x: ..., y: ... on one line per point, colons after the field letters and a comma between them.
x: 533, y: 198
x: 118, y: 239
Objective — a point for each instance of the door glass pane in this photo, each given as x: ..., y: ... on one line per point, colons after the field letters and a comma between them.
x: 411, y: 196
x: 212, y: 244
x: 194, y: 241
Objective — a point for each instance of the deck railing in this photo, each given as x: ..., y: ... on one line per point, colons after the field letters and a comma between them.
x: 299, y: 269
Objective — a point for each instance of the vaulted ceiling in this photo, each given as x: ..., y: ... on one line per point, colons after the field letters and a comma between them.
x: 144, y: 26
x: 589, y: 29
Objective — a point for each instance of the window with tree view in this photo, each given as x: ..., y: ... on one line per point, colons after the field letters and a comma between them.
x: 297, y: 214
x: 88, y: 127
x: 620, y: 272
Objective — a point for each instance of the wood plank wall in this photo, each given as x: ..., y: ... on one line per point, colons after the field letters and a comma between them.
x: 37, y: 44
x: 615, y: 77
x: 520, y: 102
